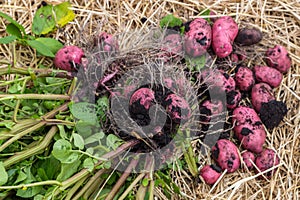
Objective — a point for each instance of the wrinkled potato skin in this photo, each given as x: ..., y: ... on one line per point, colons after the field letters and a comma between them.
x: 278, y: 58
x: 268, y: 75
x: 261, y: 93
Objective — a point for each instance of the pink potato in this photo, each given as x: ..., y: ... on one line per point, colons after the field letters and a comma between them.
x: 249, y: 129
x: 224, y: 31
x: 197, y: 38
x: 210, y: 108
x: 144, y: 96
x: 218, y: 81
x: 106, y: 42
x: 244, y: 78
x: 178, y: 107
x: 268, y: 75
x: 210, y: 173
x: 261, y: 93
x: 69, y: 58
x: 233, y: 98
x: 225, y: 153
x: 247, y: 158
x: 278, y: 58
x: 266, y: 160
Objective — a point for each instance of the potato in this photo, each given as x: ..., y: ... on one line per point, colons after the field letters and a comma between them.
x: 197, y: 38
x: 178, y: 108
x: 210, y: 108
x: 278, y: 58
x: 244, y: 78
x: 233, y: 98
x: 224, y: 31
x: 210, y: 173
x: 247, y: 37
x: 268, y: 75
x: 225, y: 153
x: 69, y: 58
x: 249, y: 129
x: 261, y: 93
x: 172, y: 47
x: 265, y: 160
x: 247, y: 158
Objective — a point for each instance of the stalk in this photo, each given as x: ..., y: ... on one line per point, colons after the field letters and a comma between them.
x: 34, y: 96
x: 72, y: 191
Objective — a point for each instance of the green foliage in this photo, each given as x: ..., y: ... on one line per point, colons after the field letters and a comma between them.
x: 170, y: 21
x: 4, y: 176
x: 196, y: 63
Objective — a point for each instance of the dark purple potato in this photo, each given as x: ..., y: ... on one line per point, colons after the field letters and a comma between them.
x: 197, y: 39
x: 265, y: 160
x: 247, y: 37
x: 210, y: 173
x: 225, y: 153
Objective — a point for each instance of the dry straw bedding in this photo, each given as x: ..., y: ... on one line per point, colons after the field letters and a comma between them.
x: 279, y: 21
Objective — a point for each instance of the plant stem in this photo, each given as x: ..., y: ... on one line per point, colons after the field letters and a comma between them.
x: 50, y: 182
x: 89, y: 183
x: 35, y: 96
x: 189, y: 157
x: 72, y: 191
x: 122, y: 179
x: 130, y: 187
x: 19, y: 102
x: 32, y: 151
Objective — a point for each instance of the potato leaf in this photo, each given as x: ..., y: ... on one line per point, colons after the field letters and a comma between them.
x: 84, y: 111
x: 40, y: 47
x: 8, y: 39
x: 78, y: 141
x: 13, y: 30
x: 170, y: 21
x: 51, y: 43
x: 63, y: 14
x: 43, y: 20
x: 3, y: 176
x: 62, y: 151
x: 11, y: 20
x: 67, y: 170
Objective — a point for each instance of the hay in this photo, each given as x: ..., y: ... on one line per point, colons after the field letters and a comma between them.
x: 279, y: 20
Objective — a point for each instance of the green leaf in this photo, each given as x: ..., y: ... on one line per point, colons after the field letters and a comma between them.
x: 63, y: 14
x: 3, y: 176
x: 62, y: 151
x: 102, y: 107
x: 78, y: 141
x: 206, y: 13
x: 43, y: 20
x: 113, y: 141
x: 41, y: 48
x: 51, y: 43
x: 21, y: 177
x: 94, y: 138
x: 13, y: 30
x: 83, y: 128
x: 89, y: 164
x: 196, y: 63
x: 29, y: 192
x: 84, y: 111
x: 11, y: 20
x: 145, y: 182
x: 170, y: 21
x: 67, y: 170
x: 8, y: 39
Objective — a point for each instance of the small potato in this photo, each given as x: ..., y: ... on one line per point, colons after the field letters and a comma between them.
x: 268, y: 75
x: 224, y: 31
x: 247, y: 158
x: 278, y: 58
x: 210, y: 173
x: 247, y: 37
x: 244, y: 78
x: 233, y: 98
x: 210, y: 109
x: 197, y: 39
x: 225, y: 153
x: 244, y: 114
x: 261, y: 93
x: 265, y: 160
x: 69, y: 58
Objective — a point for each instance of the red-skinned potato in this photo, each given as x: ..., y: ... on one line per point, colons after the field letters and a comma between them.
x: 268, y: 75
x: 210, y: 108
x: 210, y: 173
x: 261, y: 93
x: 68, y: 58
x: 244, y: 78
x: 265, y: 160
x: 278, y: 58
x: 247, y: 158
x: 233, y: 98
x: 197, y: 38
x: 225, y: 153
x: 224, y: 31
x: 249, y: 129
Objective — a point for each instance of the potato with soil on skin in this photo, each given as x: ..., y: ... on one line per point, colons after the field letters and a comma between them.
x: 244, y: 78
x: 225, y: 153
x: 249, y: 129
x: 233, y: 98
x: 210, y: 173
x: 247, y: 158
x: 197, y: 38
x: 268, y: 75
x: 178, y: 108
x: 266, y: 160
x: 209, y: 109
x: 261, y: 93
x: 69, y: 58
x: 224, y: 31
x: 278, y: 58
x: 247, y: 37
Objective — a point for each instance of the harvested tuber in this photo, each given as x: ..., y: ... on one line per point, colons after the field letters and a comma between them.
x: 278, y: 58
x: 261, y: 93
x: 233, y: 98
x: 244, y: 78
x: 69, y: 58
x: 266, y: 160
x: 247, y: 158
x: 224, y: 31
x: 247, y: 37
x: 210, y: 173
x: 268, y: 75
